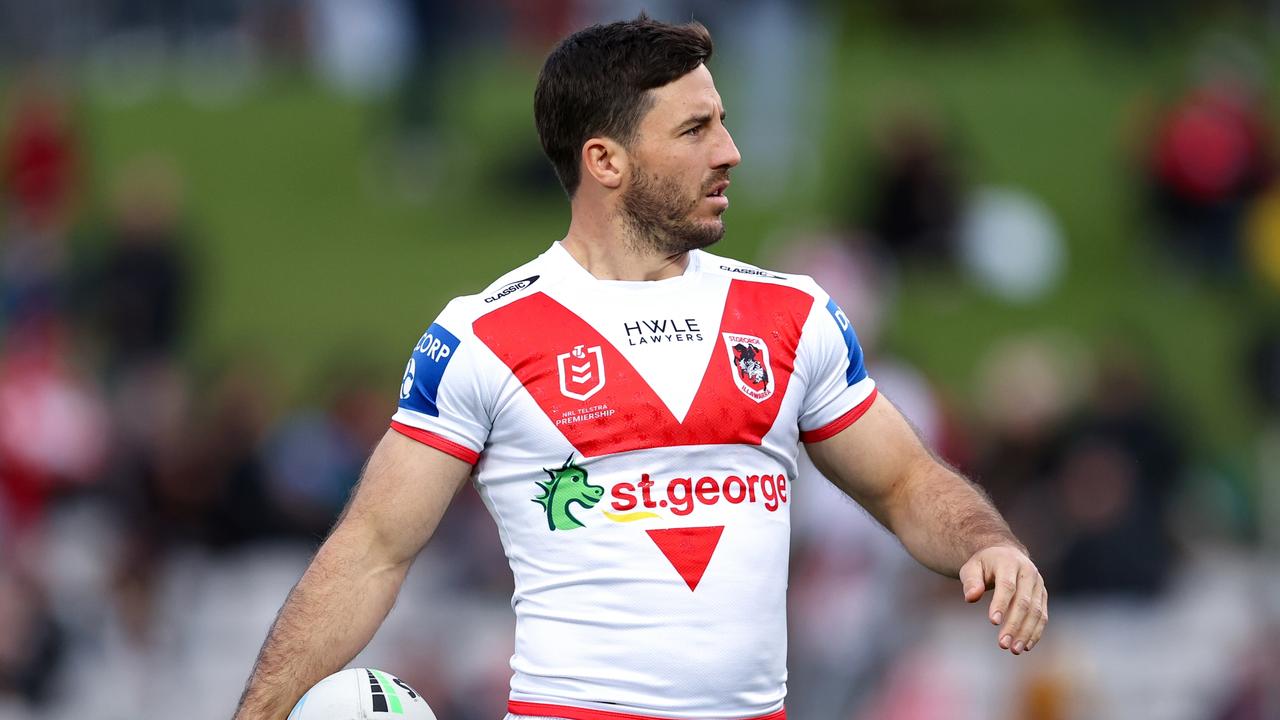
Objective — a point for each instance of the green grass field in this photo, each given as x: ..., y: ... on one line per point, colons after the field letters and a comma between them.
x: 304, y: 257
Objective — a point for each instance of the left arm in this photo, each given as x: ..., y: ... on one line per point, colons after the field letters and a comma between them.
x: 945, y: 522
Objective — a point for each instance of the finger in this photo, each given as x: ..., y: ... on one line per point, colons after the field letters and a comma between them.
x: 1022, y: 633
x: 971, y: 579
x: 1044, y: 620
x: 1020, y: 605
x: 1004, y: 580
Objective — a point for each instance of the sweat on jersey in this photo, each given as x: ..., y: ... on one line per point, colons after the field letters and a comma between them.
x: 636, y: 445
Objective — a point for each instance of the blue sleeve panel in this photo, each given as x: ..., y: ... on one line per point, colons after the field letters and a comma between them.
x: 855, y: 372
x: 421, y: 383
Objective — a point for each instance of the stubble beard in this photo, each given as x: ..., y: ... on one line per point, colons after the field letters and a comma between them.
x: 660, y: 221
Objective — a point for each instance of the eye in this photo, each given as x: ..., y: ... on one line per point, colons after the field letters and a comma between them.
x: 693, y: 131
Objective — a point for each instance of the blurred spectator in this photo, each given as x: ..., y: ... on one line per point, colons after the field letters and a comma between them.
x: 197, y: 476
x: 31, y: 645
x: 1087, y: 489
x: 415, y: 152
x: 1255, y: 695
x: 1264, y: 370
x: 151, y: 409
x: 916, y: 190
x: 1116, y: 476
x: 38, y: 167
x: 1027, y: 387
x: 139, y: 290
x: 1011, y: 244
x: 362, y: 47
x: 1211, y: 156
x: 53, y: 432
x: 1262, y: 237
x: 221, y: 500
x: 39, y: 154
x: 315, y: 455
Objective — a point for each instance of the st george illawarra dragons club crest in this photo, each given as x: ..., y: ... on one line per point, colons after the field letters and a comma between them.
x: 749, y: 362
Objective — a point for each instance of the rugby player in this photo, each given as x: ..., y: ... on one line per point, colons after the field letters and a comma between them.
x: 630, y: 408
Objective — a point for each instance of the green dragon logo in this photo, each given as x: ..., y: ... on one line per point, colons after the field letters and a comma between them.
x: 568, y: 484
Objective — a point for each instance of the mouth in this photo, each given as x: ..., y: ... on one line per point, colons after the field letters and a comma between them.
x: 718, y: 189
x: 717, y: 196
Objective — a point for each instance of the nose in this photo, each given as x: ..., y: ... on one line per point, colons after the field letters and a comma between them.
x: 727, y: 154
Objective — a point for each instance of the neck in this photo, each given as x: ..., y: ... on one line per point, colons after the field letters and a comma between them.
x: 605, y: 248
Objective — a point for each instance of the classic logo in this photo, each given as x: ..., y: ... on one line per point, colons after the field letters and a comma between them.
x: 751, y: 271
x: 513, y: 287
x: 749, y: 361
x: 568, y: 485
x: 581, y: 372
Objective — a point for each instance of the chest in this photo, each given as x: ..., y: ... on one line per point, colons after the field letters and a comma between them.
x: 709, y: 365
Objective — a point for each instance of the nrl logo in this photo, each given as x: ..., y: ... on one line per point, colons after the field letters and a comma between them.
x: 749, y: 360
x: 581, y: 372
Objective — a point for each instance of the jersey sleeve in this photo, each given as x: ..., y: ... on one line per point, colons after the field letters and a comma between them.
x: 837, y: 389
x: 443, y: 399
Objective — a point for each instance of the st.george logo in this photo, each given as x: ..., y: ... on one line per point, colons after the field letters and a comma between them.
x: 581, y: 372
x: 749, y: 362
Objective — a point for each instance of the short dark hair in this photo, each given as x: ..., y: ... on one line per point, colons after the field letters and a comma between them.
x: 596, y: 82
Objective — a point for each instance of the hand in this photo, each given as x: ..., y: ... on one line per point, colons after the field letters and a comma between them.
x: 1020, y: 600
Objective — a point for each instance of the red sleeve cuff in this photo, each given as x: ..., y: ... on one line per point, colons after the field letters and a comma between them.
x: 835, y: 426
x: 443, y: 444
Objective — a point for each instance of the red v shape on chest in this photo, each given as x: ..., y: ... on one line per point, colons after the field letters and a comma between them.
x: 601, y: 404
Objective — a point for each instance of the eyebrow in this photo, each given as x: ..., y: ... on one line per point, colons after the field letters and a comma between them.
x: 702, y: 119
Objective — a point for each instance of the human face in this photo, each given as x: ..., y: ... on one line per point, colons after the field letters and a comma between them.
x: 681, y: 156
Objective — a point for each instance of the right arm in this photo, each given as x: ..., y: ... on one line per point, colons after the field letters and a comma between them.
x: 352, y: 583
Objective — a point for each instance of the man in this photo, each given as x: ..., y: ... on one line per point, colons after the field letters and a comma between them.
x: 629, y: 406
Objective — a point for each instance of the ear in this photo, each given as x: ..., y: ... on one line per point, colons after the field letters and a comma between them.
x: 605, y: 160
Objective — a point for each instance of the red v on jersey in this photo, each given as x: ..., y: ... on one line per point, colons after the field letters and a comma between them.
x: 625, y: 413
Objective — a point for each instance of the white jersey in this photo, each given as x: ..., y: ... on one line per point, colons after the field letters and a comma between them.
x: 636, y: 444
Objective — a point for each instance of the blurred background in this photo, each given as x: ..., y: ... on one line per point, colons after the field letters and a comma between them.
x: 1055, y: 224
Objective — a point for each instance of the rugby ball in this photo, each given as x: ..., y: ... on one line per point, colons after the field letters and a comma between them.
x: 362, y: 694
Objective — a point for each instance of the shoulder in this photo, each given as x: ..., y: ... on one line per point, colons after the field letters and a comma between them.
x: 738, y: 270
x: 510, y: 286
